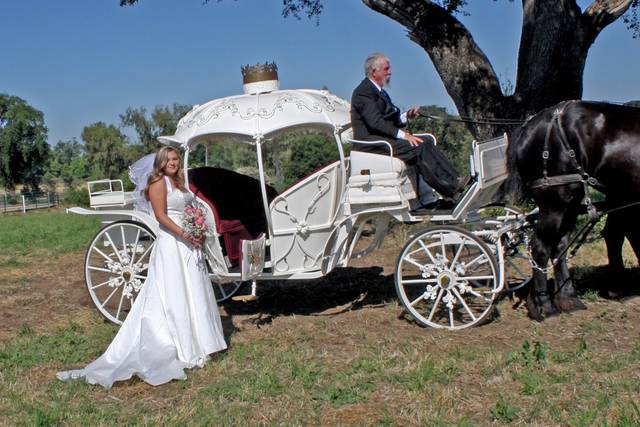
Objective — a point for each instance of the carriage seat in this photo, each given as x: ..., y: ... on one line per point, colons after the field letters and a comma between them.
x: 378, y: 178
x: 236, y: 203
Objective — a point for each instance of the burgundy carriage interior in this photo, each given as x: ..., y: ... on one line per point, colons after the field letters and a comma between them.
x: 236, y: 202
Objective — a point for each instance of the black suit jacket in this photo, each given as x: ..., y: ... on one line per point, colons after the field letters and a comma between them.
x: 372, y: 115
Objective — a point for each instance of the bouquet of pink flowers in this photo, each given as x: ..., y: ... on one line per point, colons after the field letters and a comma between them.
x: 194, y: 222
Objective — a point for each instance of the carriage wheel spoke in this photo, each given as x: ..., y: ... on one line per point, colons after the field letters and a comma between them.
x: 435, y: 304
x: 457, y: 255
x: 442, y: 247
x: 115, y: 248
x: 120, y: 305
x: 222, y: 290
x: 417, y: 300
x: 478, y: 295
x: 105, y: 256
x: 477, y: 260
x: 100, y: 285
x: 416, y: 281
x: 104, y: 270
x: 464, y: 304
x: 135, y: 246
x: 410, y: 261
x: 145, y: 253
x: 474, y: 277
x: 124, y: 241
x: 109, y: 297
x: 428, y: 252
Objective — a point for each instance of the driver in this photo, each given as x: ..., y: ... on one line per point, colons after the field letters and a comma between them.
x: 374, y: 118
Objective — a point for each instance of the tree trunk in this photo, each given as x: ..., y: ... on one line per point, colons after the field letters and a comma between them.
x: 556, y: 37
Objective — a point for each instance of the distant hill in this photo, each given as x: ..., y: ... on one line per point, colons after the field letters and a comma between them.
x: 632, y: 104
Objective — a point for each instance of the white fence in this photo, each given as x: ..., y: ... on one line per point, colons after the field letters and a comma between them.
x: 28, y: 201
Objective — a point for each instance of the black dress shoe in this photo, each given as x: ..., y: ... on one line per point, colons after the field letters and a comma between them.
x: 463, y: 183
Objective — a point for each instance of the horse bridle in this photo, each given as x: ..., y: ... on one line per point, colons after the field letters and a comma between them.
x: 579, y: 177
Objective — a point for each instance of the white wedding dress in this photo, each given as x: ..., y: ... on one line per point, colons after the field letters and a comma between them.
x: 174, y: 322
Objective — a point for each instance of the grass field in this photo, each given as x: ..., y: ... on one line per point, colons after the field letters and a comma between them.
x: 291, y: 363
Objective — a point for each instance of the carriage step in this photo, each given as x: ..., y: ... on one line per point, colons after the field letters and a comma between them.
x: 250, y: 297
x: 244, y: 298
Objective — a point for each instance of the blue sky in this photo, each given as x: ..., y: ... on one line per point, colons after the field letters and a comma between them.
x: 83, y: 61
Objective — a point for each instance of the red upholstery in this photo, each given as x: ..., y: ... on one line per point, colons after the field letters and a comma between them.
x: 232, y: 231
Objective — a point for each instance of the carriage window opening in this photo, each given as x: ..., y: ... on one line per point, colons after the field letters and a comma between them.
x: 292, y: 156
x: 229, y: 154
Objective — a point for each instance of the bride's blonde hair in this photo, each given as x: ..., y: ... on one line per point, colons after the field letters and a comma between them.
x: 159, y: 163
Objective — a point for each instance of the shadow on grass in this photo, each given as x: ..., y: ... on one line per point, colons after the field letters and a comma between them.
x: 360, y: 286
x: 600, y: 280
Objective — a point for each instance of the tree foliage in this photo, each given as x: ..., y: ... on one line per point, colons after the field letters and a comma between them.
x: 453, y: 137
x: 163, y: 120
x: 23, y: 143
x: 68, y: 163
x: 106, y: 150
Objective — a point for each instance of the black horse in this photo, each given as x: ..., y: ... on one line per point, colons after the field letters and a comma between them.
x: 553, y: 158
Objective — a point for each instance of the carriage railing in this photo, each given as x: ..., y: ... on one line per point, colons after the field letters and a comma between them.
x: 108, y: 193
x: 489, y: 163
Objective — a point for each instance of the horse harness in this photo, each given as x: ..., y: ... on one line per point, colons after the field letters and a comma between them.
x: 580, y: 176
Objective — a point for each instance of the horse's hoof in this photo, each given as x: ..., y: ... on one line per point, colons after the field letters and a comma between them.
x: 569, y: 304
x: 541, y: 309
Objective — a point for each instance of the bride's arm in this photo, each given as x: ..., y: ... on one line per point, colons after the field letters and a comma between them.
x: 158, y: 199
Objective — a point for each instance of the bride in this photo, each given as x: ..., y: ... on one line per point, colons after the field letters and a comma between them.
x: 174, y: 322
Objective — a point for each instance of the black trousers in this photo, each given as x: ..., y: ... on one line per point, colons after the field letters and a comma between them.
x: 431, y: 164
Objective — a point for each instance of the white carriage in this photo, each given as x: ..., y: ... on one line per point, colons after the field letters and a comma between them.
x: 447, y: 275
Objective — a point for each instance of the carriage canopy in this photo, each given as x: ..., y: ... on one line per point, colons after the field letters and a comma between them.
x: 258, y: 117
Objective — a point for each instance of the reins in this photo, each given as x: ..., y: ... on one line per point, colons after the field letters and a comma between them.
x: 461, y: 119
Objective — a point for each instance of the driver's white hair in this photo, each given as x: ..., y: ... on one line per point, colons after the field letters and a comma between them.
x: 372, y: 62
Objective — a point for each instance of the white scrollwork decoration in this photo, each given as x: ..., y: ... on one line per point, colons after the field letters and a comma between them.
x: 281, y: 205
x: 215, y: 111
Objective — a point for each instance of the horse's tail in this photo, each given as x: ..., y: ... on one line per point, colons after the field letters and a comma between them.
x: 513, y: 190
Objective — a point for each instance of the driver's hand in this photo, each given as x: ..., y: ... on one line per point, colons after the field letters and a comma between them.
x: 413, y: 112
x: 413, y: 140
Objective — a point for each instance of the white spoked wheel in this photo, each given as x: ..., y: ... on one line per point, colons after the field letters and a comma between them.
x: 446, y: 277
x: 116, y: 266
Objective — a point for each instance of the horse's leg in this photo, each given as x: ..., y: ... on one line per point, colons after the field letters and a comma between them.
x: 544, y: 239
x: 613, y: 234
x: 620, y: 224
x: 565, y: 297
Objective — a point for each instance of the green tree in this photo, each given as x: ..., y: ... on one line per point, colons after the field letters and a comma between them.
x: 453, y: 137
x: 305, y: 154
x: 106, y: 151
x: 555, y: 40
x: 68, y: 162
x: 23, y: 143
x: 163, y: 120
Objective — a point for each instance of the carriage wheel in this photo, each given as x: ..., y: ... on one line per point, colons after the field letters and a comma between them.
x: 445, y: 278
x: 115, y: 267
x: 515, y: 243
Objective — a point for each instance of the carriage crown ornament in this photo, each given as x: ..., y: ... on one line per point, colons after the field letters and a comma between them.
x: 260, y: 78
